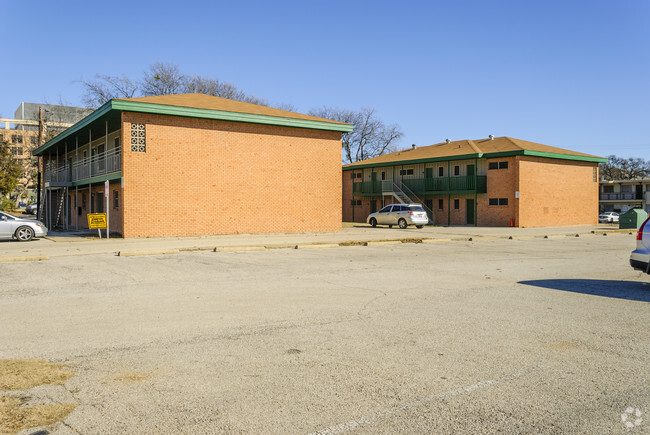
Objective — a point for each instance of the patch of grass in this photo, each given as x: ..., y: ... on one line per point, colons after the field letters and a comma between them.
x: 129, y: 378
x: 23, y: 374
x: 14, y: 417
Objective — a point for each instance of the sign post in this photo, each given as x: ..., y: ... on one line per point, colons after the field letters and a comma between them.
x: 97, y: 221
x: 106, y: 195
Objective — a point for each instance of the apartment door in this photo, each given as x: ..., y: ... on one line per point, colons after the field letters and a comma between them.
x: 470, y: 177
x: 100, y: 202
x: 373, y: 205
x: 428, y: 180
x: 639, y: 191
x: 469, y: 211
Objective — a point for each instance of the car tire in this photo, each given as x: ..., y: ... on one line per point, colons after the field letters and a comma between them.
x: 373, y: 222
x: 402, y: 223
x: 24, y: 234
x: 419, y: 226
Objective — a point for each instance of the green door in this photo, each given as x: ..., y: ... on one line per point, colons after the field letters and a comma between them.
x: 428, y: 179
x: 469, y: 210
x: 375, y: 187
x: 373, y: 205
x: 471, y: 182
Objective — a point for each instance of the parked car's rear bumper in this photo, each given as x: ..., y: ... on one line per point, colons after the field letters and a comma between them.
x: 640, y: 258
x: 639, y: 265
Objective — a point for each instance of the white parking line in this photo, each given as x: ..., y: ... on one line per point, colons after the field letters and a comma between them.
x: 387, y: 413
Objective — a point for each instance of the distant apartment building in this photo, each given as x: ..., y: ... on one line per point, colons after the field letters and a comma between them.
x: 21, y: 134
x: 497, y: 181
x: 623, y: 195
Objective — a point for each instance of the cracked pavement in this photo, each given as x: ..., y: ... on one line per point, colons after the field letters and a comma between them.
x: 544, y: 335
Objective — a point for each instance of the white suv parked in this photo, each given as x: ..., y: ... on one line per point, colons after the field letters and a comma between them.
x: 640, y: 258
x: 399, y: 214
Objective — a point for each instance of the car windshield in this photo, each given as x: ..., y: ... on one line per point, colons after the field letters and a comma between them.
x: 7, y: 215
x: 415, y: 208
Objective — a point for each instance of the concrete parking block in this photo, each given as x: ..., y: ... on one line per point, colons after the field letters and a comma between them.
x: 318, y: 246
x: 239, y: 248
x: 429, y: 241
x: 24, y: 258
x: 140, y: 253
x: 385, y: 243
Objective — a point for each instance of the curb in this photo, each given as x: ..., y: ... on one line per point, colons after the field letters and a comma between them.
x: 431, y: 241
x: 30, y: 258
x: 317, y: 246
x: 238, y: 248
x: 384, y: 243
x: 141, y: 253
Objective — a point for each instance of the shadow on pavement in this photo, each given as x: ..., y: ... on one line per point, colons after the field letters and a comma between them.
x: 631, y: 290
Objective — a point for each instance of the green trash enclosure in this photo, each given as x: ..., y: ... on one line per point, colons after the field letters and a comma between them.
x: 632, y: 219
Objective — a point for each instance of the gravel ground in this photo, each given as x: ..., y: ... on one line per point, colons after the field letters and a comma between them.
x: 543, y: 335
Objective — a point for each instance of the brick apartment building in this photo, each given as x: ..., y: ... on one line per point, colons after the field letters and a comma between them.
x: 623, y: 195
x: 21, y: 134
x: 488, y: 182
x: 194, y: 164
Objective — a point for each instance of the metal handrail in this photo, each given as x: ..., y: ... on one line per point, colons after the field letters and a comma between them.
x: 103, y: 163
x: 409, y: 193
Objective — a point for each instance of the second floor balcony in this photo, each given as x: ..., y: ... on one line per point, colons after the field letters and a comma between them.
x: 64, y: 174
x: 621, y: 196
x: 426, y: 186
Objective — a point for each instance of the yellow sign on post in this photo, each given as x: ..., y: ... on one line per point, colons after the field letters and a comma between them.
x: 96, y: 221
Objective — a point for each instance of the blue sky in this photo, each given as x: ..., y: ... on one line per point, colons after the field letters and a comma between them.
x: 573, y: 74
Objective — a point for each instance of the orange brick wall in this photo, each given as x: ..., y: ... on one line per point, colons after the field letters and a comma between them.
x: 557, y: 192
x: 501, y: 183
x: 201, y: 176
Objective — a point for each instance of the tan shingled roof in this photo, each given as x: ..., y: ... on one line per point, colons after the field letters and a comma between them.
x: 202, y: 101
x: 466, y: 147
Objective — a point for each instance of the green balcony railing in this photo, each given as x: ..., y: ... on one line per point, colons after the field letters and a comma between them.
x: 468, y: 184
x: 372, y: 187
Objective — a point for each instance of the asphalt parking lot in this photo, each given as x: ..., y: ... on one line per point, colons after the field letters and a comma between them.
x: 539, y: 335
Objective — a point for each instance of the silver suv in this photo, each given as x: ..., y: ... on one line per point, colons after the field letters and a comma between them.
x: 399, y: 214
x: 640, y: 258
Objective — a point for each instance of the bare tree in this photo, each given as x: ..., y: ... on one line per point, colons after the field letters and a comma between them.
x: 210, y: 86
x: 618, y: 168
x: 370, y: 137
x: 104, y: 88
x: 162, y: 79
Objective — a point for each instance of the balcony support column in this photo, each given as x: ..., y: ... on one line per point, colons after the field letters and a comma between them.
x: 66, y: 201
x: 448, y: 195
x: 76, y: 189
x: 90, y: 151
x: 476, y: 192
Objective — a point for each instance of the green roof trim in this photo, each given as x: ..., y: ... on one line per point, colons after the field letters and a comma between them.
x: 479, y: 156
x: 412, y: 162
x: 190, y: 112
x: 565, y: 156
x: 97, y: 114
